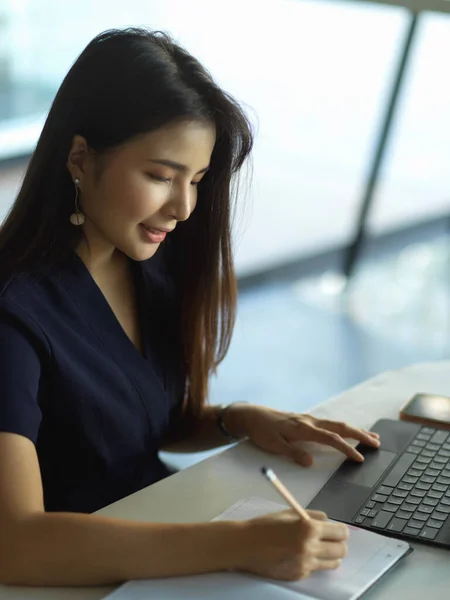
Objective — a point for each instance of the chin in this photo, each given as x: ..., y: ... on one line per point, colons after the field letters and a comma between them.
x: 141, y: 254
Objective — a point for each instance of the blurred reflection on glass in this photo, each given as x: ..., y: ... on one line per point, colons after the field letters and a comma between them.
x: 405, y: 298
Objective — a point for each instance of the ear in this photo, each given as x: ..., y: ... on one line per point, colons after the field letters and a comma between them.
x: 78, y: 155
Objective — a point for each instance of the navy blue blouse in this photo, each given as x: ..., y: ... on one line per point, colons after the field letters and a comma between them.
x: 73, y: 382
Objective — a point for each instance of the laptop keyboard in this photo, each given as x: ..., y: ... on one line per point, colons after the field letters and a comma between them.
x: 414, y: 498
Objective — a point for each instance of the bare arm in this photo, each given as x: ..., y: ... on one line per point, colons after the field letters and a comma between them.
x: 39, y: 548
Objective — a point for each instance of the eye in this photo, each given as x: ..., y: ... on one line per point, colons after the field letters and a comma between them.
x: 196, y: 183
x: 160, y: 179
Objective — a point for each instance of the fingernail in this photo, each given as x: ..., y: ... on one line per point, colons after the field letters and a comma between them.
x: 360, y: 457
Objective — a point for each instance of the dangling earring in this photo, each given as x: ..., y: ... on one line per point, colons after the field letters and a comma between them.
x: 77, y: 218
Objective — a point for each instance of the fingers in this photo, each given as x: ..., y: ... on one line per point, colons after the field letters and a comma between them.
x: 347, y: 431
x: 322, y: 431
x: 326, y: 565
x: 331, y: 551
x: 329, y: 555
x: 317, y: 515
x: 334, y: 532
x: 301, y: 457
x: 290, y: 513
x: 333, y: 439
x: 304, y: 459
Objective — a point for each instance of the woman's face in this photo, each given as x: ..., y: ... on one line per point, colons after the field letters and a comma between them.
x: 145, y: 188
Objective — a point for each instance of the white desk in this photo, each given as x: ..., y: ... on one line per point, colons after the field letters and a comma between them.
x: 206, y: 489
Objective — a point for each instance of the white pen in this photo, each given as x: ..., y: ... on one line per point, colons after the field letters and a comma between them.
x: 283, y: 491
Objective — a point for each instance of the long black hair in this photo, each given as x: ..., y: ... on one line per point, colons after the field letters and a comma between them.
x: 125, y: 83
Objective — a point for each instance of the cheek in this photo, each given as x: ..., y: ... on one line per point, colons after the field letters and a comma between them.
x: 133, y: 198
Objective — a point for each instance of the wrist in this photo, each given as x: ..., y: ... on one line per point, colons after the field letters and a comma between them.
x: 187, y: 549
x: 245, y: 541
x: 229, y: 544
x: 235, y: 420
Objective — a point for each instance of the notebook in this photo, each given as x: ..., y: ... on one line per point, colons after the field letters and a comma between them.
x: 369, y: 557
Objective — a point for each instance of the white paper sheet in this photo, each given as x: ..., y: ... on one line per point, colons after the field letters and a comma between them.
x: 218, y: 586
x: 369, y: 556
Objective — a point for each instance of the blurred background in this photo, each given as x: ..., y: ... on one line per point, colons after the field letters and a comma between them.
x: 350, y: 101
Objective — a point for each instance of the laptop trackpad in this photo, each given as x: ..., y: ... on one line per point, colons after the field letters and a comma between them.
x: 370, y: 471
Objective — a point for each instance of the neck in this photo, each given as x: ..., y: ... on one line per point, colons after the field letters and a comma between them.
x: 100, y: 258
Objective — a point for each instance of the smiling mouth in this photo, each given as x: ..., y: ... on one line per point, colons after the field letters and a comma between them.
x: 150, y: 229
x: 153, y: 230
x: 154, y: 236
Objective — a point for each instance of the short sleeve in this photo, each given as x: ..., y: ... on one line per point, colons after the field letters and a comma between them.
x: 20, y: 372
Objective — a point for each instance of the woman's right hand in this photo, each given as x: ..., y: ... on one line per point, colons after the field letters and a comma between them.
x: 286, y: 546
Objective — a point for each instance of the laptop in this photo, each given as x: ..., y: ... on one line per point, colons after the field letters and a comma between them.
x: 401, y: 490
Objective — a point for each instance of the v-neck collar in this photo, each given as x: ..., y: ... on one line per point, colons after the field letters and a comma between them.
x: 91, y: 301
x: 158, y: 379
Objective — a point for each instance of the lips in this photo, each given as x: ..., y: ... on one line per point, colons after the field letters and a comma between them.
x: 154, y: 236
x: 156, y: 230
x: 151, y: 229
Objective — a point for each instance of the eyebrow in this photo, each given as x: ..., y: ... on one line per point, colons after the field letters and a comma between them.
x: 175, y: 165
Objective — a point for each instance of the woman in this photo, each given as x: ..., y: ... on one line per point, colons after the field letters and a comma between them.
x: 117, y: 301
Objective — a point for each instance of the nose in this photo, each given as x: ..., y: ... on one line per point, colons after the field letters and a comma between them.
x: 183, y: 203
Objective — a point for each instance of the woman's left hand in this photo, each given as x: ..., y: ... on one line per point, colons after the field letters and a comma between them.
x: 278, y: 432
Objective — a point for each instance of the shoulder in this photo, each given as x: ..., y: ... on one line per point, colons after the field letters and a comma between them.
x: 25, y: 290
x: 24, y: 297
x: 17, y: 287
